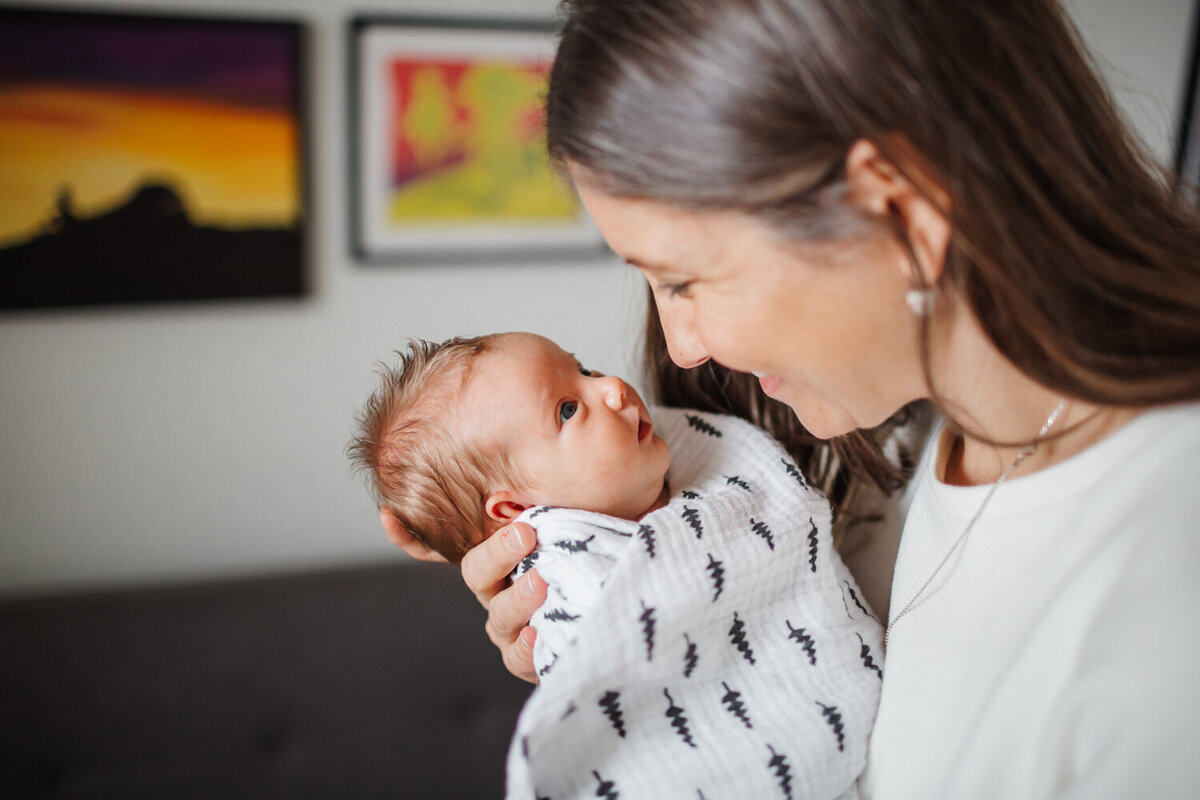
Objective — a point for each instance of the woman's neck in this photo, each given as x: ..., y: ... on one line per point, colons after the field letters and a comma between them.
x: 1000, y: 410
x: 971, y: 462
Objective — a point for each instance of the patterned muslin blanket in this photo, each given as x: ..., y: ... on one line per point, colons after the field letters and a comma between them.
x: 717, y: 648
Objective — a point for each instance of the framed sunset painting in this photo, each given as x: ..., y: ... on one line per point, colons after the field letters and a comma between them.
x: 149, y: 159
x: 448, y: 152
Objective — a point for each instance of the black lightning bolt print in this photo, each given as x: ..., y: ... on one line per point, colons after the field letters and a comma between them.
x: 795, y: 473
x: 692, y: 517
x: 527, y: 561
x: 611, y: 703
x: 734, y: 480
x: 834, y: 718
x: 607, y: 789
x: 688, y: 494
x: 733, y: 702
x: 858, y: 603
x: 537, y: 512
x: 689, y: 658
x: 716, y: 570
x: 546, y: 669
x: 762, y: 530
x: 801, y: 637
x: 678, y: 720
x: 812, y: 545
x: 846, y: 607
x: 737, y: 635
x: 559, y: 615
x: 782, y: 771
x: 865, y: 654
x: 577, y: 546
x: 571, y: 709
x: 648, y: 629
x: 646, y: 534
x: 702, y: 425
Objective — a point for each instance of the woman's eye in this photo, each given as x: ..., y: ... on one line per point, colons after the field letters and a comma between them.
x: 678, y: 289
x: 567, y: 410
x: 584, y: 371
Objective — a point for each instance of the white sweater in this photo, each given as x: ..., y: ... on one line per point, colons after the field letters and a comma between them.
x: 1057, y: 655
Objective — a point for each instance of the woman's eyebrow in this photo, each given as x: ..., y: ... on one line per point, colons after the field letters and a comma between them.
x: 637, y: 263
x: 646, y: 266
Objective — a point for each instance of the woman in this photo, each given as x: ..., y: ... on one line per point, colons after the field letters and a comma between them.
x: 869, y: 203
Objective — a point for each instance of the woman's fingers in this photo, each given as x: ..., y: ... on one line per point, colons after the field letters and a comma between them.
x: 485, y: 570
x: 509, y: 610
x: 518, y: 656
x: 485, y: 567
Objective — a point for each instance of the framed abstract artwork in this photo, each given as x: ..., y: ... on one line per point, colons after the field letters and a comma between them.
x: 149, y: 159
x: 448, y: 156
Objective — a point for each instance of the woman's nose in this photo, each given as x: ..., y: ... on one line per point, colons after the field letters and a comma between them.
x: 615, y: 392
x: 683, y: 343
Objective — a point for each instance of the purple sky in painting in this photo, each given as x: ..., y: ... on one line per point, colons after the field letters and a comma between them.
x: 245, y: 63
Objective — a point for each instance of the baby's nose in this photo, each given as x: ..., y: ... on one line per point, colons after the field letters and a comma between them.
x: 614, y: 395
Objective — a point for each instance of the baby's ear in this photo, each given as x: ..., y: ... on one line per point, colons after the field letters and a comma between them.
x: 400, y: 537
x: 502, y: 508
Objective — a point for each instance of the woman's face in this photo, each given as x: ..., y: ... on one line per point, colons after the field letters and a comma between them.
x: 826, y: 327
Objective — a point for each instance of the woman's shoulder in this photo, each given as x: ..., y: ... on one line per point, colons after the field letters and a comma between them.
x: 1157, y: 455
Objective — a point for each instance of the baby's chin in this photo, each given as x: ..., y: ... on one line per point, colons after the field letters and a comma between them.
x: 660, y: 501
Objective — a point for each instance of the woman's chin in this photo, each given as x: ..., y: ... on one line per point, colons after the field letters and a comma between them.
x: 819, y: 421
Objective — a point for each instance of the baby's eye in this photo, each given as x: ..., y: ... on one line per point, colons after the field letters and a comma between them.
x: 584, y: 371
x: 567, y: 410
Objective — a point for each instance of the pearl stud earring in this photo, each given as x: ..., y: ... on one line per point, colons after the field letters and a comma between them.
x: 920, y: 301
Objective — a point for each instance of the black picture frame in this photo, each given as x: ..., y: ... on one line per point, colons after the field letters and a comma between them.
x: 1187, y: 150
x: 189, y: 180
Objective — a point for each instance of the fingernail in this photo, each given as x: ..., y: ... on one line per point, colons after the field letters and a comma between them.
x: 512, y: 540
x: 527, y: 637
x: 527, y: 587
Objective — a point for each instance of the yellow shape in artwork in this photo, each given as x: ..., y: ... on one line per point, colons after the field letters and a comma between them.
x: 502, y: 174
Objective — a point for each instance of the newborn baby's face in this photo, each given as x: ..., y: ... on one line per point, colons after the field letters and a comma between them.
x: 580, y: 439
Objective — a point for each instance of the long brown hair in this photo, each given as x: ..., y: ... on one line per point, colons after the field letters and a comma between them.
x: 1067, y: 242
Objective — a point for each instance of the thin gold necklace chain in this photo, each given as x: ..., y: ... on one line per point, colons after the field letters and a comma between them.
x: 1025, y: 453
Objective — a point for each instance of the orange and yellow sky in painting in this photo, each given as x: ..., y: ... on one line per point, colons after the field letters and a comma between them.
x: 234, y: 164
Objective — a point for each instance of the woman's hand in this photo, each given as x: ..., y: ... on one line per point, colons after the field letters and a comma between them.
x: 485, y: 569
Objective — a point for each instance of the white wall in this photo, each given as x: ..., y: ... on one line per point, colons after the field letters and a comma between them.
x: 142, y: 445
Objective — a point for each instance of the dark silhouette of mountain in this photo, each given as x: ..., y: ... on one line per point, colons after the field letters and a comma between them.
x: 147, y: 250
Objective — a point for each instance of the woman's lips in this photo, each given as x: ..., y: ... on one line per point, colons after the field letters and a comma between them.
x: 769, y: 383
x: 644, y: 428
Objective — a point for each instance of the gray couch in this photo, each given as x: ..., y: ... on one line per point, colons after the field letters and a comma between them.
x: 354, y: 683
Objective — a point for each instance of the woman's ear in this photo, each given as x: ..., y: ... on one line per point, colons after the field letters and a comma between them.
x: 400, y: 537
x: 881, y: 189
x: 502, y: 508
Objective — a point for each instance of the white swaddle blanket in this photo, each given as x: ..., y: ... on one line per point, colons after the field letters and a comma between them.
x: 715, y: 649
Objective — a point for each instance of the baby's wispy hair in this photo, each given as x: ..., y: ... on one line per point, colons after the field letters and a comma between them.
x: 418, y: 467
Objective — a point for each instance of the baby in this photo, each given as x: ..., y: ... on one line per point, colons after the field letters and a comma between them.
x: 700, y: 637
